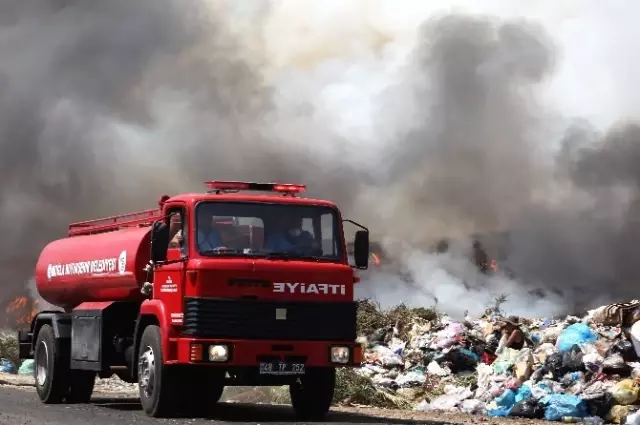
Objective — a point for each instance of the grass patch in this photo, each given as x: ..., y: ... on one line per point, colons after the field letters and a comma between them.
x: 371, y: 317
x: 352, y: 388
x: 9, y: 348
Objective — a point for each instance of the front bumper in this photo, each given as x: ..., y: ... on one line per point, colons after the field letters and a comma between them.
x: 248, y: 353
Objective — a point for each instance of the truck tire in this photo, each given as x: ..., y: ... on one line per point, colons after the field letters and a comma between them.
x: 81, y: 383
x: 155, y: 383
x: 51, y: 368
x: 312, y: 394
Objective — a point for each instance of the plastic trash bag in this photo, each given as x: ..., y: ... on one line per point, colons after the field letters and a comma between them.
x: 601, y: 405
x: 576, y: 334
x: 541, y: 390
x: 26, y: 368
x: 554, y: 365
x: 617, y: 414
x: 505, y: 403
x: 625, y: 392
x: 633, y: 419
x: 413, y: 378
x: 506, y: 399
x: 7, y: 366
x: 529, y: 408
x: 615, y: 365
x: 572, y: 359
x: 388, y: 357
x: 473, y: 407
x: 551, y: 334
x: 500, y: 412
x: 435, y: 369
x: 559, y: 405
x: 625, y: 349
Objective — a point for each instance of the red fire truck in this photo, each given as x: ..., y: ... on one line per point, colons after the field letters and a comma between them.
x: 256, y: 289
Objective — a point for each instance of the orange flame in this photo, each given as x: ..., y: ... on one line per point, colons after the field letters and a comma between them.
x: 376, y: 259
x: 23, y: 310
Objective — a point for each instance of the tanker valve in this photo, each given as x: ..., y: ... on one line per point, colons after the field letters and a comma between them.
x: 149, y: 267
x: 147, y: 288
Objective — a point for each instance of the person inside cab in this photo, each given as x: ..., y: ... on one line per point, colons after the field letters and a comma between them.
x: 226, y: 228
x: 209, y: 238
x: 289, y: 237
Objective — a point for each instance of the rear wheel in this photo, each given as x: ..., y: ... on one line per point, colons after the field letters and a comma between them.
x: 312, y: 394
x: 51, y: 368
x: 155, y: 383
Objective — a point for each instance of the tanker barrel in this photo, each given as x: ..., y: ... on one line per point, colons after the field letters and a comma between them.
x: 93, y: 268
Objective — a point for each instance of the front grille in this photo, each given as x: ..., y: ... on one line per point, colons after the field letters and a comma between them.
x: 256, y: 319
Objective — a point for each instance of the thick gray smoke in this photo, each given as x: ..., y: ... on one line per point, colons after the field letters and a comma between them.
x: 105, y: 106
x: 479, y: 163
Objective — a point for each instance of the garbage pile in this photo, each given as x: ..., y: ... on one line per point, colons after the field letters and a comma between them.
x: 571, y: 369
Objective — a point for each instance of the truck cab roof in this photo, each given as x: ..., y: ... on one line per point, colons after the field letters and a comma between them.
x: 193, y: 198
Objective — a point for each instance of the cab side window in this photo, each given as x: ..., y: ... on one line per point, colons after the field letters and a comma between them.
x: 178, y: 230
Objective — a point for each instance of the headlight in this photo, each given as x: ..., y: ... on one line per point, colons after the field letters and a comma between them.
x: 340, y: 354
x: 218, y: 353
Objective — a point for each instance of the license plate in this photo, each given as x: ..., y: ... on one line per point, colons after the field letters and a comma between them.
x: 281, y: 368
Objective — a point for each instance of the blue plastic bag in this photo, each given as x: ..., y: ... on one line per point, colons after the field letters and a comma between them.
x: 501, y: 412
x: 559, y: 405
x: 6, y: 366
x: 505, y: 403
x: 576, y: 334
x: 524, y: 392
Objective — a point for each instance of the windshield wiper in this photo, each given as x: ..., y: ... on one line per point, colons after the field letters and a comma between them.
x: 223, y: 251
x: 292, y: 256
x: 279, y: 255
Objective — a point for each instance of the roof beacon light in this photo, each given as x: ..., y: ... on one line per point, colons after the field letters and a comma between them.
x: 226, y: 185
x: 229, y: 186
x: 289, y: 188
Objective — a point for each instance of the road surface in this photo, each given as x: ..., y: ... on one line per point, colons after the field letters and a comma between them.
x: 21, y: 406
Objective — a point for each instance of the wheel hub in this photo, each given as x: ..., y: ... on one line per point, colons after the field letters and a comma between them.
x: 146, y: 371
x: 42, y: 363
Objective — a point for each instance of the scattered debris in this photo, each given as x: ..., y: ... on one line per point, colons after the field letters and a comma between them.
x: 574, y: 369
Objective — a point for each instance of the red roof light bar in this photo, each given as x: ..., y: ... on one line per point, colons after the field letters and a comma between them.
x: 287, y: 188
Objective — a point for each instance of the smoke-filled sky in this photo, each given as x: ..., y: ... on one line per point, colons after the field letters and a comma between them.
x: 420, y: 119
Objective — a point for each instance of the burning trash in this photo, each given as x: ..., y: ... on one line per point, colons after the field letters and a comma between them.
x: 21, y: 311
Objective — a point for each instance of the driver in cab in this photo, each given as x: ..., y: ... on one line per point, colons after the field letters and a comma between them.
x: 208, y: 236
x: 290, y: 238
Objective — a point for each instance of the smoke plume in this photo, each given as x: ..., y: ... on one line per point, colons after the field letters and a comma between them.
x: 421, y: 123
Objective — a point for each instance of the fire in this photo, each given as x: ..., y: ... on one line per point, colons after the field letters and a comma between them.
x: 22, y: 310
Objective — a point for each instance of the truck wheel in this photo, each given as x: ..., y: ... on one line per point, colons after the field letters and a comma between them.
x: 81, y: 384
x: 50, y: 368
x: 312, y: 394
x: 154, y: 380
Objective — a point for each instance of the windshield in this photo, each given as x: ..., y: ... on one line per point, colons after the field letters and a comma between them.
x: 270, y: 230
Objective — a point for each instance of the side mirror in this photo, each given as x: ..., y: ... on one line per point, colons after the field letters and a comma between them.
x: 159, y: 241
x: 361, y: 249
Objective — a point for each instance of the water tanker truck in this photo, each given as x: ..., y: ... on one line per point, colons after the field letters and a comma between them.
x: 246, y: 284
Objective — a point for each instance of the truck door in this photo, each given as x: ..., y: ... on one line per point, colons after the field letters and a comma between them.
x: 170, y: 278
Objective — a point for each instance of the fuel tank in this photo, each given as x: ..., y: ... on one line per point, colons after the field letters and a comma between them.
x: 101, y: 267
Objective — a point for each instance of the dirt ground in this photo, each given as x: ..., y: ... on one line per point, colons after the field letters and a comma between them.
x: 107, y: 387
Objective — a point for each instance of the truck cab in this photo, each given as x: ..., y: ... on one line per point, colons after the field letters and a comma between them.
x: 246, y: 284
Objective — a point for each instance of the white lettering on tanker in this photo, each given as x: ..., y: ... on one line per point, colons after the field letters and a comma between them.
x: 177, y: 318
x: 169, y: 286
x: 308, y: 288
x: 102, y: 266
